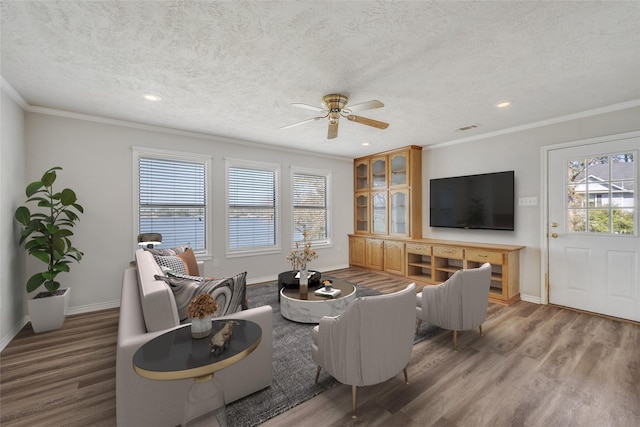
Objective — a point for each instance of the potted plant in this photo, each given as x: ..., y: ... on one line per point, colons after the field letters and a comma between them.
x: 46, y: 235
x: 200, y: 310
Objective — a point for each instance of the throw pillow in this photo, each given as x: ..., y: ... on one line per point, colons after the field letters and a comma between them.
x: 169, y: 252
x: 229, y: 292
x: 183, y: 263
x: 190, y: 262
x: 173, y: 263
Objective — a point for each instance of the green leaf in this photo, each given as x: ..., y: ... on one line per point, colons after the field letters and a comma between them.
x: 34, y: 282
x: 49, y: 178
x: 68, y: 197
x: 23, y: 215
x: 78, y: 207
x: 52, y: 286
x: 42, y: 256
x: 63, y: 232
x: 31, y: 244
x: 52, y: 229
x: 33, y: 188
x: 61, y: 266
x: 49, y: 275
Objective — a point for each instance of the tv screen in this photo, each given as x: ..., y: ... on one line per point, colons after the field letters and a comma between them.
x: 483, y: 201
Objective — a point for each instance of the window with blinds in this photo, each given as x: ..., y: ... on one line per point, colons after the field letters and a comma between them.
x: 252, y: 211
x: 310, y: 206
x: 173, y: 201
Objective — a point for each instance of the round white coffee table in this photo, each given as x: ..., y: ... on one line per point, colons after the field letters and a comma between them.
x: 312, y: 309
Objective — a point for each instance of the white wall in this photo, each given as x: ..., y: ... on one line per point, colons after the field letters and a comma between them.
x: 521, y: 152
x: 97, y: 162
x: 12, y: 284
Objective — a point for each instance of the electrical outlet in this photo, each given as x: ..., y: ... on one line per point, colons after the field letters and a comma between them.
x: 527, y: 201
x: 216, y: 262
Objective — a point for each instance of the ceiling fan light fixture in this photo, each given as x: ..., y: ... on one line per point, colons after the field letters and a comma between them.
x: 334, y: 106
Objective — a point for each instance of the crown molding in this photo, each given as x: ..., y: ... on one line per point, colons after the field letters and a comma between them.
x: 574, y: 116
x: 13, y: 94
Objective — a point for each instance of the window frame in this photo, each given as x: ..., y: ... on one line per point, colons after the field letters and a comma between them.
x: 154, y: 153
x: 258, y: 250
x: 328, y: 175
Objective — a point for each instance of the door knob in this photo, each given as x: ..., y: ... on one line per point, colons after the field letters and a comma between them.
x: 554, y: 235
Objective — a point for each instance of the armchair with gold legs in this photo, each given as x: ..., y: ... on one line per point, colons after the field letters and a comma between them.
x: 369, y: 343
x: 458, y: 304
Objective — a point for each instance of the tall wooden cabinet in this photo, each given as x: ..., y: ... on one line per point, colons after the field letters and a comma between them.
x: 388, y: 193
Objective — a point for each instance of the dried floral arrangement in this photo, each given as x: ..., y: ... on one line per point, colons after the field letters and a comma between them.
x: 202, y: 306
x: 299, y: 258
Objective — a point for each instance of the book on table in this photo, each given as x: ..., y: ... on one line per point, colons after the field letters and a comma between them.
x: 328, y: 293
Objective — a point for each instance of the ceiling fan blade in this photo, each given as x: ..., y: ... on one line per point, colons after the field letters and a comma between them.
x: 303, y: 122
x: 333, y: 130
x: 368, y: 122
x: 365, y: 106
x: 308, y: 107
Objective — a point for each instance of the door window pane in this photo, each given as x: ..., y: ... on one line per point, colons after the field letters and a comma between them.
x: 603, y: 186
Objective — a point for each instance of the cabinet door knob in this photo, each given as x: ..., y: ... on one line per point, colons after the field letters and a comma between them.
x: 554, y: 235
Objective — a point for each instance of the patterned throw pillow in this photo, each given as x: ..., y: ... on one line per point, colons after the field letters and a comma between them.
x: 173, y: 263
x: 181, y: 263
x: 229, y: 292
x: 170, y: 252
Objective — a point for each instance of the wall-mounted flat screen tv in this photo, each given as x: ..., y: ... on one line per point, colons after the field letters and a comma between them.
x: 484, y: 201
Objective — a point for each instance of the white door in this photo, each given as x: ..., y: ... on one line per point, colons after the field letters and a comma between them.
x: 593, y: 242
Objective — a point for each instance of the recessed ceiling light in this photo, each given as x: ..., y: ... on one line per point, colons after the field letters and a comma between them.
x: 366, y: 144
x: 503, y: 104
x: 151, y: 97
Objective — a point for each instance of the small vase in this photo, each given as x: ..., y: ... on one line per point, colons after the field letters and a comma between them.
x: 201, y: 328
x: 304, y: 283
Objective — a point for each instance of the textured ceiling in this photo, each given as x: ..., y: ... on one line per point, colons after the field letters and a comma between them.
x: 233, y: 68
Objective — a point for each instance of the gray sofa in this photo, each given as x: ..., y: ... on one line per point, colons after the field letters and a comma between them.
x: 148, y: 309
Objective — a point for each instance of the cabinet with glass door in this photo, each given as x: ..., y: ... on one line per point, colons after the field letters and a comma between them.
x: 395, y: 193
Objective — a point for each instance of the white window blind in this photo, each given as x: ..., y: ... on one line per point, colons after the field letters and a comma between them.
x: 173, y: 201
x: 253, y: 208
x: 310, y: 207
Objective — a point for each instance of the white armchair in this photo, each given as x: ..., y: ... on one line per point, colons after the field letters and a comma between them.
x: 458, y: 304
x: 369, y: 343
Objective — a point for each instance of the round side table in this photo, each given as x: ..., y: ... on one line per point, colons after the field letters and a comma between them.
x: 175, y: 355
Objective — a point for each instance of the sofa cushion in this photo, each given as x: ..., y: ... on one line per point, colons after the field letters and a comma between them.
x: 229, y: 292
x: 182, y: 263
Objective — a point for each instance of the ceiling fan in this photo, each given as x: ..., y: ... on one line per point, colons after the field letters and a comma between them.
x: 334, y: 107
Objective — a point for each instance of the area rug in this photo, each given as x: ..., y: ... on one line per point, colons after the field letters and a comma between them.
x: 293, y: 368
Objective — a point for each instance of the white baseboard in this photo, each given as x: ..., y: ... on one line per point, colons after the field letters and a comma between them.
x: 532, y: 299
x: 92, y: 307
x: 12, y: 334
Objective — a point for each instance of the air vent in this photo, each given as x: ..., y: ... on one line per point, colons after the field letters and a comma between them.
x: 467, y: 127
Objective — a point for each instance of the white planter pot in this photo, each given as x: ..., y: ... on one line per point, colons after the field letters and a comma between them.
x: 47, y: 314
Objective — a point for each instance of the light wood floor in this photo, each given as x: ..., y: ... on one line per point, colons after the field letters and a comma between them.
x: 536, y: 366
